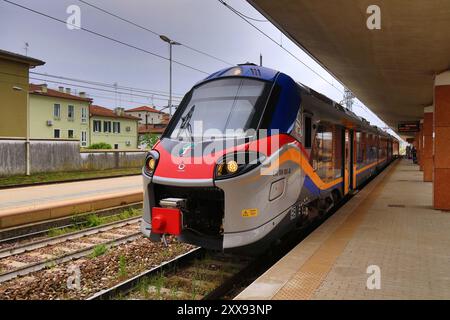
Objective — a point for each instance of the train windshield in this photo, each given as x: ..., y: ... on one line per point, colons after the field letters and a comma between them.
x: 221, y: 108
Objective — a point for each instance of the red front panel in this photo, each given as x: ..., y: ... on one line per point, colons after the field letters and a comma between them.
x: 166, y: 221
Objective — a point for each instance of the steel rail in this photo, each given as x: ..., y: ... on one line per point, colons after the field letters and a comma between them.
x: 127, y: 285
x: 36, y: 229
x: 11, y: 251
x: 65, y: 258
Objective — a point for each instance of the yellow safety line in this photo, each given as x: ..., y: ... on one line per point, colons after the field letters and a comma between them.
x: 314, y: 271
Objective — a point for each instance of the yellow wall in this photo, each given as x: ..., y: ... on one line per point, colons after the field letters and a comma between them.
x: 41, y: 110
x: 115, y: 138
x: 13, y: 104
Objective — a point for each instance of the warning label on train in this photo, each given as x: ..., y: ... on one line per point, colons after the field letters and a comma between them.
x: 249, y: 213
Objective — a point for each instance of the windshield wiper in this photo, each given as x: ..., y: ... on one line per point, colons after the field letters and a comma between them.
x: 186, y: 122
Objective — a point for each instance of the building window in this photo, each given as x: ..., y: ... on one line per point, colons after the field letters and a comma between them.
x: 71, y: 113
x: 116, y: 127
x: 83, y: 138
x: 57, y: 111
x: 84, y: 115
x: 57, y: 134
x: 70, y: 134
x: 106, y: 126
x: 97, y: 126
x: 116, y: 146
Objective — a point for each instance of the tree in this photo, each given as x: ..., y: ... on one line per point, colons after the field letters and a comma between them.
x: 149, y: 139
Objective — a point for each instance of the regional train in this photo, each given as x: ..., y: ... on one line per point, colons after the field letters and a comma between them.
x: 251, y: 155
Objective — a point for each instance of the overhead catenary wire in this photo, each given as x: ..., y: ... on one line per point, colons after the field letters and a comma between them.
x: 106, y: 37
x: 108, y: 85
x: 136, y: 102
x: 88, y: 95
x: 132, y: 91
x: 243, y: 17
x: 153, y: 32
x: 97, y: 89
x: 246, y: 16
x: 278, y: 44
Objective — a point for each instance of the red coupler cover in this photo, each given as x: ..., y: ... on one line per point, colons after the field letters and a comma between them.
x: 166, y: 220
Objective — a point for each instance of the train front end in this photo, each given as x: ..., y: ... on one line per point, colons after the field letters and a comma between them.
x: 210, y: 180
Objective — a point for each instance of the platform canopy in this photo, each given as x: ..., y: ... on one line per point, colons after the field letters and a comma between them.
x: 392, y: 69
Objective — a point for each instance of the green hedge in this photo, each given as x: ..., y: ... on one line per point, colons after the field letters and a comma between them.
x: 100, y: 145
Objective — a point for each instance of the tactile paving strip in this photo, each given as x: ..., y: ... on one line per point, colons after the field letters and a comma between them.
x: 311, y: 275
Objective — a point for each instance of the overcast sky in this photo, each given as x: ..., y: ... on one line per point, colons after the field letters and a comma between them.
x: 205, y: 25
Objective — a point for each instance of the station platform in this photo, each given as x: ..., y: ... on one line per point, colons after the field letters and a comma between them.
x: 36, y: 203
x: 387, y: 242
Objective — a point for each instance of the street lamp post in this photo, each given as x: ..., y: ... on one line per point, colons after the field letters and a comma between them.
x: 171, y: 43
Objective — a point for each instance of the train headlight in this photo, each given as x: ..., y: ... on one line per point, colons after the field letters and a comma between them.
x: 232, y: 166
x: 151, y: 164
x: 151, y: 161
x: 237, y: 163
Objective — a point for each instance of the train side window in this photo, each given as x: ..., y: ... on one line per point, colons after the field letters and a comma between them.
x: 308, y: 132
x: 360, y: 148
x: 323, y: 154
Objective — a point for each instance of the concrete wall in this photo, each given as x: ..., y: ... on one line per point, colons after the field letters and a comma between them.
x: 62, y: 155
x: 52, y: 155
x: 99, y: 160
x: 12, y: 157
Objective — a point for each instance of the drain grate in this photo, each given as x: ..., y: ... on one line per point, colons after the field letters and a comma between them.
x: 396, y: 206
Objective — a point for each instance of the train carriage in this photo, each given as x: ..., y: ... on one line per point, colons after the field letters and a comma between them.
x: 250, y: 155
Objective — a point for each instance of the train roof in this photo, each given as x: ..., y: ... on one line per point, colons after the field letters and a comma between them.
x: 350, y: 115
x: 245, y: 70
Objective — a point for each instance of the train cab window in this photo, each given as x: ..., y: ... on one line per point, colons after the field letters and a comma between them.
x: 308, y: 132
x: 228, y: 106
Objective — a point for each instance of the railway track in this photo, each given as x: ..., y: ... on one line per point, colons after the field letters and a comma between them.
x: 203, y: 275
x: 17, y: 235
x: 195, y: 275
x: 33, y: 256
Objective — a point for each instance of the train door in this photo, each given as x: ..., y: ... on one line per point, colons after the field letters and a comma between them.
x: 348, y: 160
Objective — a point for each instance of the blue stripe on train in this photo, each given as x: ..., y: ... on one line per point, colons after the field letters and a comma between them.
x: 309, y: 184
x: 315, y: 190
